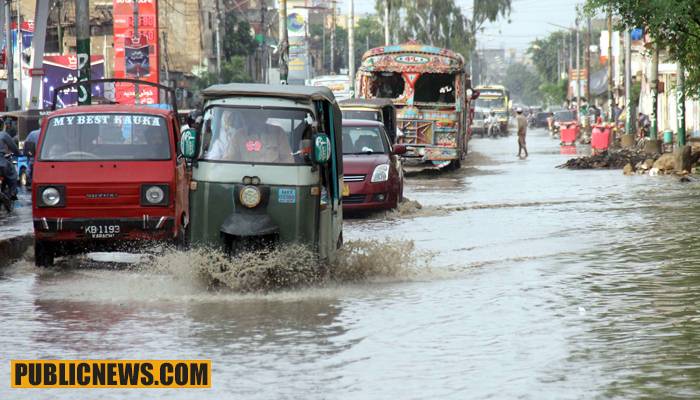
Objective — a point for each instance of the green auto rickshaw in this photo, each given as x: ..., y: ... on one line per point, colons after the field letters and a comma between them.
x: 267, y: 168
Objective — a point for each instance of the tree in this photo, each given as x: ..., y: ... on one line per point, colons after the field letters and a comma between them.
x: 368, y: 35
x: 673, y: 25
x: 441, y: 22
x: 232, y: 70
x: 236, y: 40
x: 341, y: 46
x: 523, y: 84
x: 545, y: 55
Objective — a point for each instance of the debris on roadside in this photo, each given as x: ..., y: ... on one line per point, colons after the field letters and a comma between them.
x: 613, y: 159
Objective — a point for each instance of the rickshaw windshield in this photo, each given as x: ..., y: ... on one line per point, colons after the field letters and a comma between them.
x: 255, y: 135
x: 89, y: 137
x: 362, y: 114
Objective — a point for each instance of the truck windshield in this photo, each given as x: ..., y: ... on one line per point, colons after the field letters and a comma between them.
x: 362, y: 114
x: 255, y: 135
x: 87, y: 137
x: 364, y: 140
x: 488, y: 103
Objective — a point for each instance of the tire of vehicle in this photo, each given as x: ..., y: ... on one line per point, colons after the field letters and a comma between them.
x: 43, y: 254
x: 181, y: 242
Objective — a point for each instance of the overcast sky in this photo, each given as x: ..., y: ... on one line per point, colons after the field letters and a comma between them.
x: 529, y: 19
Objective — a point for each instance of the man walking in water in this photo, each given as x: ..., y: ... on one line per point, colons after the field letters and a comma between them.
x: 522, y: 131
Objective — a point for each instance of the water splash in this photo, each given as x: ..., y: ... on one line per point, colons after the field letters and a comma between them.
x: 292, y: 266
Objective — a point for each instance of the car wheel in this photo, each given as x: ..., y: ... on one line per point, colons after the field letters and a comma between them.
x: 43, y: 254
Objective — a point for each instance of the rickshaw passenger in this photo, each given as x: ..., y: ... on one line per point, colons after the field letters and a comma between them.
x: 223, y: 141
x: 258, y: 141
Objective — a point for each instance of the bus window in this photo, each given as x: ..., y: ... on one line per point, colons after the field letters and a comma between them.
x: 388, y: 85
x: 435, y: 88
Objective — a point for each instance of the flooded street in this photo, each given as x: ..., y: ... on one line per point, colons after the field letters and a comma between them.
x: 524, y: 281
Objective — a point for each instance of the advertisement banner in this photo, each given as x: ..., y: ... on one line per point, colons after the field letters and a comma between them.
x: 297, y: 26
x: 136, y: 49
x: 62, y: 70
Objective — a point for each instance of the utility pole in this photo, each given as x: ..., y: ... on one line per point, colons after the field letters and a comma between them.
x: 653, y: 132
x: 217, y: 31
x: 628, y: 82
x: 82, y: 33
x: 578, y: 73
x: 59, y: 28
x: 283, y: 42
x: 262, y: 41
x: 387, y: 11
x: 332, y: 72
x: 11, y: 101
x: 587, y: 61
x: 351, y: 45
x: 611, y: 83
x: 680, y: 105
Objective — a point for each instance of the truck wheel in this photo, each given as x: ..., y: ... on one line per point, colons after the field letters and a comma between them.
x: 43, y: 254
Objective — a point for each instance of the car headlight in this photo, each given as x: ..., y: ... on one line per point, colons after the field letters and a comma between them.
x: 51, y: 196
x: 381, y: 173
x: 250, y: 196
x: 155, y: 195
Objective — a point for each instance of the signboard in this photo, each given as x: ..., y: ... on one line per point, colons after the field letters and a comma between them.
x: 62, y: 70
x: 136, y: 50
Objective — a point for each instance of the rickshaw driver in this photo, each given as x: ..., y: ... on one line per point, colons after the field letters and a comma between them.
x: 258, y: 141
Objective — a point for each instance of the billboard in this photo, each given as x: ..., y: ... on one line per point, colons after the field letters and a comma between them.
x: 136, y: 49
x: 297, y: 31
x: 62, y: 70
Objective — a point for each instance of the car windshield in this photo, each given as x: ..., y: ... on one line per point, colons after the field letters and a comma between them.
x: 362, y: 114
x: 255, y: 135
x: 87, y: 137
x: 364, y: 140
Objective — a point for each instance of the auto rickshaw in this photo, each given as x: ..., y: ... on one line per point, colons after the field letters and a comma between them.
x: 267, y: 168
x: 382, y: 110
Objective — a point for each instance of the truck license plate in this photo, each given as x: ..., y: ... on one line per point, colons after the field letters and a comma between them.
x: 102, y: 231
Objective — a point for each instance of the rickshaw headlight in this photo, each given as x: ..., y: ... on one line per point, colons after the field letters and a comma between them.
x: 51, y: 196
x: 250, y: 196
x: 381, y: 173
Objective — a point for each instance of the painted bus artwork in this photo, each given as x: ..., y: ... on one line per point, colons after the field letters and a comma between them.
x: 431, y: 91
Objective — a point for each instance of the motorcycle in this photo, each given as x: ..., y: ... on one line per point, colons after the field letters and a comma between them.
x: 494, y: 130
x: 5, y: 191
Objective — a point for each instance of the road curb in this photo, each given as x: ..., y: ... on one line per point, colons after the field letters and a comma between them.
x: 14, y: 248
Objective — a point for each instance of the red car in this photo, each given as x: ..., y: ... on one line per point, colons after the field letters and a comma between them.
x: 108, y: 177
x: 373, y: 174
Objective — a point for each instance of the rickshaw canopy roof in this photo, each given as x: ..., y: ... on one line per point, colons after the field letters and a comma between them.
x: 295, y: 92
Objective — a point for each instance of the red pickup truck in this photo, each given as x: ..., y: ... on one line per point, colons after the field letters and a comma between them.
x: 107, y: 177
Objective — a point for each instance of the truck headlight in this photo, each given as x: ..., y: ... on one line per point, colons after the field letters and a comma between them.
x: 155, y: 195
x: 381, y: 173
x: 250, y: 196
x: 51, y: 197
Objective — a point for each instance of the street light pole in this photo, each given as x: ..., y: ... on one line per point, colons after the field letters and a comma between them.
x: 610, y: 69
x: 387, y: 10
x: 82, y: 39
x: 351, y: 45
x: 578, y: 72
x: 11, y: 103
x: 628, y: 82
x: 332, y: 38
x: 283, y: 42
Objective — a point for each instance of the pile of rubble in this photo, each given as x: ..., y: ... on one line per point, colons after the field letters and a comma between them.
x: 614, y: 159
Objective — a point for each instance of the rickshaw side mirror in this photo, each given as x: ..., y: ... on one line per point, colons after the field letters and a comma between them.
x: 475, y: 94
x: 399, y: 149
x: 306, y: 149
x: 322, y: 149
x: 188, y: 141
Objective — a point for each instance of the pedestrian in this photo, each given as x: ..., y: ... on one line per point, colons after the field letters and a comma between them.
x: 522, y: 132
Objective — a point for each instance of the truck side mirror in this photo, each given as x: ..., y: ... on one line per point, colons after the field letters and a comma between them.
x: 399, y: 149
x: 322, y: 149
x: 188, y: 141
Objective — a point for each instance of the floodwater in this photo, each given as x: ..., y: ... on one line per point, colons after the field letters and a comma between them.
x: 514, y: 280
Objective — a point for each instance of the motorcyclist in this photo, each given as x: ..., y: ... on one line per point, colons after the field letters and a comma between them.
x: 490, y: 122
x: 8, y: 147
x: 30, y: 144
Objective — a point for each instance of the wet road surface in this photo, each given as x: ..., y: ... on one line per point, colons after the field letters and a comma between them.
x: 525, y: 282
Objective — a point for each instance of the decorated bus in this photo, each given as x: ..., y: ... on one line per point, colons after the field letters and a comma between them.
x: 431, y: 92
x: 494, y: 98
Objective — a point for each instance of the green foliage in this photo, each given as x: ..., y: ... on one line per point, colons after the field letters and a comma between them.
x: 545, y: 54
x: 341, y: 45
x: 673, y: 24
x: 441, y: 23
x: 523, y: 84
x: 553, y: 94
x: 233, y: 70
x: 368, y: 35
x: 236, y: 39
